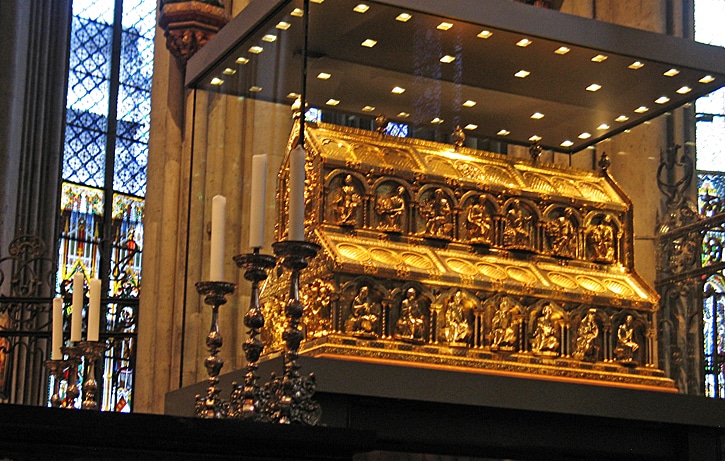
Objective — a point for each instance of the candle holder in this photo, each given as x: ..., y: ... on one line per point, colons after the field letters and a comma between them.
x: 92, y: 351
x: 56, y: 369
x: 291, y: 393
x: 75, y: 355
x: 211, y: 406
x: 247, y: 400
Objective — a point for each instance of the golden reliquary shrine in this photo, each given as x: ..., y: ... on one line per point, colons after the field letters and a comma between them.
x: 440, y: 255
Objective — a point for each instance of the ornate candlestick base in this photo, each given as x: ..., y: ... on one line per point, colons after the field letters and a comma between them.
x: 92, y: 351
x: 211, y: 406
x: 292, y: 393
x: 56, y: 368
x: 247, y: 400
x: 75, y: 354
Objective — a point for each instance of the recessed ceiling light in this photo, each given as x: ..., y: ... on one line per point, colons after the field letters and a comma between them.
x: 566, y: 143
x: 470, y: 126
x: 242, y: 60
x: 594, y: 87
x: 503, y: 132
x: 229, y: 71
x: 671, y: 73
x: 684, y: 90
x: 437, y: 121
x: 444, y: 26
x: 636, y: 65
x: 641, y: 109
x: 562, y: 50
x: 256, y: 49
x: 297, y: 12
x: 317, y: 1
x: 403, y: 17
x: 621, y: 118
x: 600, y: 58
x: 535, y: 138
x: 216, y: 81
x: 522, y: 73
x: 255, y: 89
x: 662, y: 100
x: 282, y: 25
x: 369, y: 43
x: 324, y: 76
x: 469, y: 103
x: 524, y: 42
x: 447, y: 59
x: 585, y: 135
x: 361, y: 8
x: 293, y: 95
x: 332, y: 102
x: 484, y: 34
x: 537, y: 115
x: 403, y: 115
x: 707, y: 79
x: 398, y: 90
x: 603, y: 126
x: 368, y: 109
x: 269, y: 38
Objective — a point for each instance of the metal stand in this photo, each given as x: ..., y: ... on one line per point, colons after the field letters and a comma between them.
x: 211, y: 406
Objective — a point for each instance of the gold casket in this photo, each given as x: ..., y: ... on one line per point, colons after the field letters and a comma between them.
x: 443, y: 256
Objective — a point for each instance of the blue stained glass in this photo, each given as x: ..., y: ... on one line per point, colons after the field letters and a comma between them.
x: 131, y: 160
x: 397, y: 129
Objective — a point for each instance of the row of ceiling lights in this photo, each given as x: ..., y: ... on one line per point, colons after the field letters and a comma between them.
x: 447, y: 59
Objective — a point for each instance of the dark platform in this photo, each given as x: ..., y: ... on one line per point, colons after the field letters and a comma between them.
x: 450, y: 412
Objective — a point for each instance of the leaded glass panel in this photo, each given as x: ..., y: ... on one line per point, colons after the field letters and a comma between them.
x: 98, y: 71
x: 714, y: 336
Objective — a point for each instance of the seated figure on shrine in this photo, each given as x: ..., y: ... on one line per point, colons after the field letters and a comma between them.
x: 390, y: 208
x: 457, y: 329
x: 587, y: 334
x: 504, y: 329
x: 544, y: 340
x: 346, y: 202
x: 626, y: 344
x: 411, y: 323
x: 517, y: 232
x: 365, y: 315
x: 438, y: 215
x: 478, y: 222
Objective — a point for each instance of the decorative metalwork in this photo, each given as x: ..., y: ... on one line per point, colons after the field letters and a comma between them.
x: 293, y: 393
x: 247, y: 399
x: 513, y: 266
x: 210, y: 405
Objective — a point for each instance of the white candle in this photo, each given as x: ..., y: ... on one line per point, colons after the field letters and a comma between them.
x: 218, y: 224
x: 94, y: 310
x: 258, y: 202
x: 57, y: 338
x: 76, y: 315
x: 296, y: 225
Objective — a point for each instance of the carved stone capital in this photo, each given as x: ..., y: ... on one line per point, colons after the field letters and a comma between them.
x: 188, y: 25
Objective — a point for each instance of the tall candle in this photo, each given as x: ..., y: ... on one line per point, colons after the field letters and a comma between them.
x: 57, y: 337
x: 76, y: 315
x: 218, y: 224
x: 94, y: 310
x: 258, y: 202
x: 296, y: 225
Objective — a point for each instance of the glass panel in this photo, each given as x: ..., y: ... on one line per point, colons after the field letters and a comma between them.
x: 81, y: 224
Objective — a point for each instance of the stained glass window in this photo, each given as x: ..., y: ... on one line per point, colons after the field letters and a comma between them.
x: 104, y: 171
x: 709, y: 134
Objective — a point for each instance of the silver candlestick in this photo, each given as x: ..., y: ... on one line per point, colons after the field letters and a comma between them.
x: 56, y: 368
x: 291, y: 393
x: 211, y: 406
x: 92, y: 351
x: 75, y: 355
x: 247, y: 400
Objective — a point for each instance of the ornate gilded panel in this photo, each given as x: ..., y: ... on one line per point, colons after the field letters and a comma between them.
x: 442, y: 255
